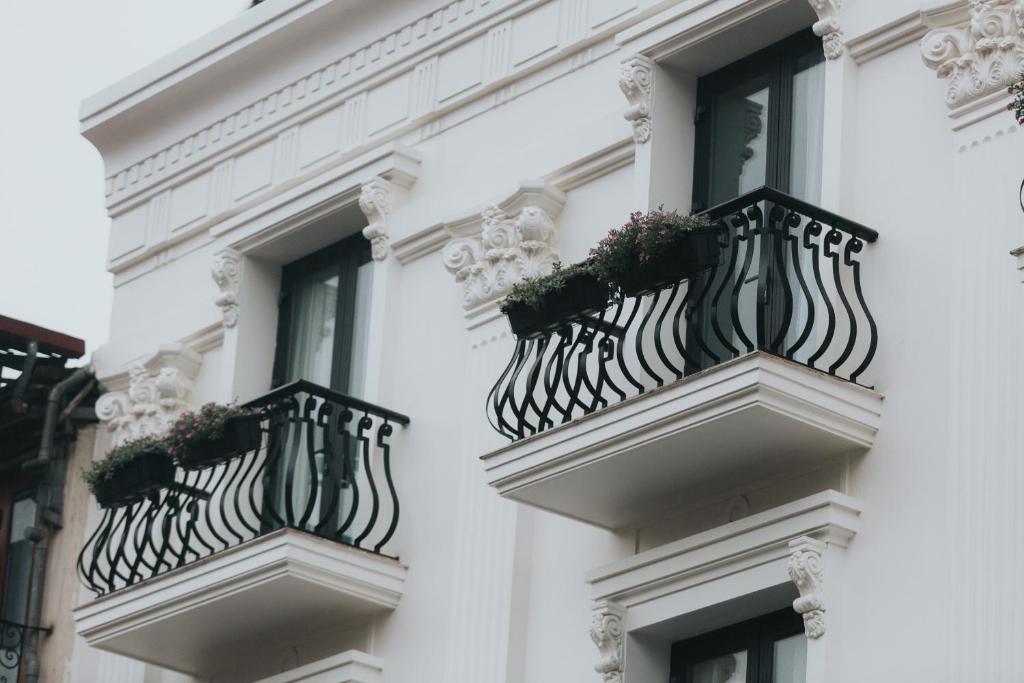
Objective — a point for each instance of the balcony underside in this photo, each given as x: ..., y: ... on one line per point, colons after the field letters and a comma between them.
x: 195, y: 618
x: 746, y: 420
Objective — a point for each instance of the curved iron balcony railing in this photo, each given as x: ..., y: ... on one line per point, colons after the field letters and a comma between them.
x: 788, y: 282
x: 323, y: 465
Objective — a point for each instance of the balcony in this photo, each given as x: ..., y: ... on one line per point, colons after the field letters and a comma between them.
x: 292, y: 536
x: 750, y: 370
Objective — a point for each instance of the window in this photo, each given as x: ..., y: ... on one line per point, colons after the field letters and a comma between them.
x: 769, y: 649
x: 18, y: 514
x: 323, y: 318
x: 321, y: 338
x: 760, y: 123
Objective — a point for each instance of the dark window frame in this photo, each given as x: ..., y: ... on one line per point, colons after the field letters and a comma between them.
x: 778, y: 64
x: 347, y: 255
x: 756, y: 636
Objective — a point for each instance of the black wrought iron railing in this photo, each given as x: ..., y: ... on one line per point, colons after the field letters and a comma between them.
x: 788, y: 282
x: 323, y: 465
x: 13, y: 640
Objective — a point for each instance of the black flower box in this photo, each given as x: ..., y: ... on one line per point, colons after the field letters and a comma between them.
x: 241, y: 434
x: 134, y: 481
x: 582, y: 294
x: 687, y: 257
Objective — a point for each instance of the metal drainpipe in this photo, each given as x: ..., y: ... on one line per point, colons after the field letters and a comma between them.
x: 50, y: 513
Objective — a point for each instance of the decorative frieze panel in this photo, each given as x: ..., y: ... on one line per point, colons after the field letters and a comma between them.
x: 158, y: 390
x: 226, y: 272
x: 636, y: 80
x: 805, y: 570
x: 980, y: 56
x: 507, y: 242
x: 608, y: 633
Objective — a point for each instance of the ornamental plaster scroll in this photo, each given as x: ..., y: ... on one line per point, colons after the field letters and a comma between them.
x: 827, y: 27
x: 375, y: 203
x: 636, y: 80
x: 979, y: 56
x: 505, y: 243
x: 608, y: 633
x: 159, y: 389
x: 226, y: 272
x: 805, y: 570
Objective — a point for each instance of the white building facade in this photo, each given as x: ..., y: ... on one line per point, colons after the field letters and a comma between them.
x: 804, y: 466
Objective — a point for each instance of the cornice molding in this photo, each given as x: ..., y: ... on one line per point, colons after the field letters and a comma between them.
x: 490, y: 251
x: 980, y: 54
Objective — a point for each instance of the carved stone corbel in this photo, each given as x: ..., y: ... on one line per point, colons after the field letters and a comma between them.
x: 980, y: 55
x: 506, y: 242
x: 608, y: 633
x: 636, y: 80
x: 226, y: 272
x: 805, y: 570
x: 827, y: 27
x: 159, y: 389
x: 375, y: 203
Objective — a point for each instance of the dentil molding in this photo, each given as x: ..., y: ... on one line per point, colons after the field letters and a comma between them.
x: 805, y: 570
x: 159, y: 389
x: 981, y: 55
x: 227, y: 272
x: 508, y: 241
x: 608, y: 633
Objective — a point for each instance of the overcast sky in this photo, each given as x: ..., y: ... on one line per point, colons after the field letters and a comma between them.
x: 53, y: 225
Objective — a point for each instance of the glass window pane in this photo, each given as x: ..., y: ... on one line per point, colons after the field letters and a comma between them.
x: 808, y: 127
x: 731, y: 668
x: 739, y: 154
x: 19, y: 561
x: 311, y: 335
x: 360, y: 330
x: 790, y: 660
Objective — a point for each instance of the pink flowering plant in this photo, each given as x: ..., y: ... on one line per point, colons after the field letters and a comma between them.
x: 205, y: 424
x: 532, y: 291
x: 646, y: 236
x: 118, y: 457
x: 1017, y: 106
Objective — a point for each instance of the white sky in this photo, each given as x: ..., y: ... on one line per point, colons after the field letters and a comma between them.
x: 53, y: 225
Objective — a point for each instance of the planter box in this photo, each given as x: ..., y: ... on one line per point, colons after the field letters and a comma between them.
x: 138, y: 478
x: 581, y: 295
x: 692, y: 254
x: 241, y: 434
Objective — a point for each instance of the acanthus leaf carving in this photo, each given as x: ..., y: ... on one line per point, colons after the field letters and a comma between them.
x: 981, y: 56
x: 510, y: 244
x: 636, y: 80
x: 806, y: 571
x: 375, y: 203
x: 158, y: 391
x: 608, y: 633
x: 226, y: 272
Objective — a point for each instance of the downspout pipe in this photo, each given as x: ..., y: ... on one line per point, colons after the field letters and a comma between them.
x: 51, y: 509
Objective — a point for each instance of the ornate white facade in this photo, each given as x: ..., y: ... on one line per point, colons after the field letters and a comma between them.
x: 475, y: 143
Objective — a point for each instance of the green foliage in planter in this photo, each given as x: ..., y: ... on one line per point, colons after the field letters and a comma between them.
x: 645, y: 236
x: 119, y: 457
x: 532, y: 290
x: 201, y: 425
x: 1017, y: 106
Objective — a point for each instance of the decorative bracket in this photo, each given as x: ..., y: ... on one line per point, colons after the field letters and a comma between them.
x: 827, y: 27
x: 226, y: 272
x: 608, y: 633
x: 505, y: 243
x: 805, y: 570
x: 636, y: 80
x: 159, y: 389
x: 981, y: 55
x: 375, y: 203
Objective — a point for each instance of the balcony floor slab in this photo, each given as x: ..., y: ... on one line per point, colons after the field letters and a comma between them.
x: 194, y: 618
x: 750, y: 419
